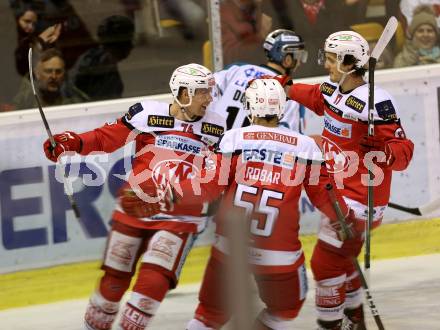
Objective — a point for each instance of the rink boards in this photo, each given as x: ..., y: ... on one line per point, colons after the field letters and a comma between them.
x: 38, y: 229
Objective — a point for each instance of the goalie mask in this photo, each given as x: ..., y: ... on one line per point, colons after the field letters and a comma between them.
x: 192, y: 77
x: 346, y: 43
x: 265, y: 97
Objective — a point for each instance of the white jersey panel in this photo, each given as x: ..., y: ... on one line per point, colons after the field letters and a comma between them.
x: 232, y: 83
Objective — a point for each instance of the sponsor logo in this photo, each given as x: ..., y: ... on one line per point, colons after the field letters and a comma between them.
x: 272, y: 157
x: 178, y: 143
x: 272, y: 136
x: 133, y: 110
x: 122, y: 251
x: 164, y: 246
x: 327, y: 89
x: 350, y: 116
x: 386, y: 110
x: 337, y: 128
x: 146, y: 304
x: 212, y: 129
x: 355, y: 104
x: 160, y: 121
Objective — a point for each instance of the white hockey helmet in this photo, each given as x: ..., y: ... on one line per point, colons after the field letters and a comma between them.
x: 191, y: 76
x: 348, y: 43
x: 265, y: 97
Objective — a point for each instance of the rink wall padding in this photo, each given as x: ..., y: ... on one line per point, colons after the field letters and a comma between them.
x: 74, y: 281
x: 38, y: 229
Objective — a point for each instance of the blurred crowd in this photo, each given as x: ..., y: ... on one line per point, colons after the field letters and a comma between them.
x: 73, y: 64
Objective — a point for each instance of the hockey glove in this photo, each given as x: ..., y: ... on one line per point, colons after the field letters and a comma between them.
x: 67, y: 141
x: 284, y: 80
x: 149, y: 201
x: 375, y: 143
x: 354, y: 227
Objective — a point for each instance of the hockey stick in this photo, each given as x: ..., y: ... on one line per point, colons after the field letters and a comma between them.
x: 364, y: 283
x: 421, y: 210
x: 49, y: 133
x: 383, y: 41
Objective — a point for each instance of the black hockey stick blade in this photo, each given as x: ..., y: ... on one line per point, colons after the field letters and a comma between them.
x: 410, y: 210
x: 421, y: 210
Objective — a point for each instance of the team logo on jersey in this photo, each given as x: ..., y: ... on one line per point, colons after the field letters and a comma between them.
x: 133, y: 110
x: 400, y: 133
x: 327, y: 89
x: 335, y: 158
x: 355, y: 104
x: 173, y: 170
x: 178, y: 143
x: 273, y: 157
x: 338, y: 99
x: 160, y: 121
x: 212, y: 129
x: 336, y: 127
x: 386, y: 110
x: 271, y: 136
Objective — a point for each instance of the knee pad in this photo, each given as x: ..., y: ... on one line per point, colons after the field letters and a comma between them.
x: 114, y: 284
x: 195, y: 324
x: 330, y: 298
x: 275, y: 322
x: 100, y: 313
x: 152, y: 281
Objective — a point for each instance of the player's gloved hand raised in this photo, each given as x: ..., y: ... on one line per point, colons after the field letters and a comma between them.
x: 354, y: 227
x: 147, y: 201
x: 376, y: 143
x: 66, y: 141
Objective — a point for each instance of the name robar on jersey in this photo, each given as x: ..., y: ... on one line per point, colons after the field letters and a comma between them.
x: 232, y: 83
x: 166, y: 148
x: 262, y: 171
x: 345, y: 123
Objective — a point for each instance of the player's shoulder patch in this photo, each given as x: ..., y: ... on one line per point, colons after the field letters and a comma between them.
x: 327, y: 89
x: 355, y: 103
x: 386, y: 111
x: 160, y: 121
x: 133, y: 110
x: 212, y: 129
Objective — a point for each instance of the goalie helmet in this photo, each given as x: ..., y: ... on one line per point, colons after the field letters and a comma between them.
x: 265, y: 97
x: 280, y: 43
x: 348, y: 43
x: 191, y: 76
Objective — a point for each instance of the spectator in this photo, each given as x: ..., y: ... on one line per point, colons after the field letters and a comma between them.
x: 312, y: 19
x: 26, y: 19
x: 244, y: 28
x: 423, y: 45
x: 50, y: 84
x: 407, y: 8
x: 96, y: 72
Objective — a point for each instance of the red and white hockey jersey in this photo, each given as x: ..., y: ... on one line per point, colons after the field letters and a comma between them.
x: 232, y: 83
x: 166, y: 148
x: 345, y: 123
x: 262, y: 171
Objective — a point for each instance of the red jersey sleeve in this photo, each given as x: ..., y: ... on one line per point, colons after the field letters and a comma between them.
x: 107, y: 138
x: 308, y: 95
x: 315, y: 182
x: 401, y: 148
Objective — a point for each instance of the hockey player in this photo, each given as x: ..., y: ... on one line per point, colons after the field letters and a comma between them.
x: 285, y: 52
x: 169, y: 142
x: 261, y: 169
x: 343, y: 102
